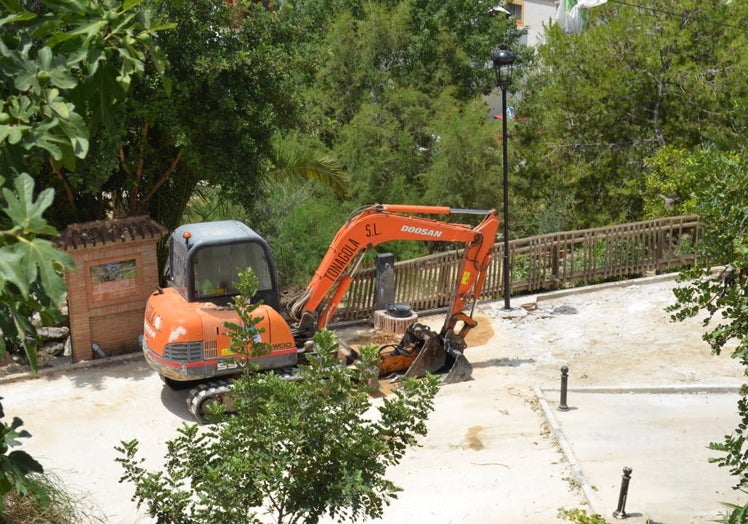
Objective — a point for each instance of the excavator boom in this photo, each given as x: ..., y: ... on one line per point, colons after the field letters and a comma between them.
x: 377, y: 224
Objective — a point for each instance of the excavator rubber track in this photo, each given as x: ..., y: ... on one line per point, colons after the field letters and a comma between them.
x: 215, y: 392
x: 207, y: 394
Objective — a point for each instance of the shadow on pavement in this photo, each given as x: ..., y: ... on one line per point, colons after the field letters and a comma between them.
x: 175, y: 400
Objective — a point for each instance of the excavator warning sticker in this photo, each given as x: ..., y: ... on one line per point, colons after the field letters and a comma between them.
x: 465, y: 277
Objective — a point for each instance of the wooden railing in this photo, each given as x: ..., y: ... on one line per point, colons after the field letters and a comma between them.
x: 544, y: 262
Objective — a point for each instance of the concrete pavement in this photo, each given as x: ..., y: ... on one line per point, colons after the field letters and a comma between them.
x: 662, y: 434
x: 643, y: 393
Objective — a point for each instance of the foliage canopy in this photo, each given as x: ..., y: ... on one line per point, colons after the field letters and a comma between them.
x: 716, y: 286
x: 65, y: 70
x: 599, y: 104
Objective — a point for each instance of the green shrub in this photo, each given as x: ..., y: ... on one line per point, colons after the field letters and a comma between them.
x: 580, y: 516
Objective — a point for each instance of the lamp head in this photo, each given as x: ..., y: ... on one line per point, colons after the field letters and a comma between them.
x: 503, y: 63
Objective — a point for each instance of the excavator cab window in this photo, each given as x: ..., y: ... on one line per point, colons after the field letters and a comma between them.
x: 216, y: 269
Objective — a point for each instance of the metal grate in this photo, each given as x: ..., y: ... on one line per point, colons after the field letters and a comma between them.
x: 184, y: 352
x: 211, y: 349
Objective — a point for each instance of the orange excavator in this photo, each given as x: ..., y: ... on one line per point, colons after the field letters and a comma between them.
x: 185, y: 336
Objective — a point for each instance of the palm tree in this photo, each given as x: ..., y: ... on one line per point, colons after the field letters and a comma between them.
x: 291, y: 162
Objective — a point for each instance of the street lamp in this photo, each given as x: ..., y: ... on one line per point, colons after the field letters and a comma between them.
x: 503, y: 62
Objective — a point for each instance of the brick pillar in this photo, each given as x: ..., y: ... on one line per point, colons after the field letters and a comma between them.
x: 116, y: 269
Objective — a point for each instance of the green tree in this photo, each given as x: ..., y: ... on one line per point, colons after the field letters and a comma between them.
x: 294, y: 159
x: 229, y: 92
x: 64, y: 67
x: 466, y: 166
x: 676, y: 178
x: 303, y: 186
x: 59, y: 63
x: 31, y: 292
x: 31, y: 269
x: 31, y: 284
x: 396, y: 99
x: 300, y: 222
x: 412, y: 148
x: 17, y: 467
x: 297, y: 450
x: 142, y: 143
x: 599, y: 104
x: 393, y: 77
x: 370, y: 49
x: 65, y: 70
x: 292, y: 164
x: 716, y: 286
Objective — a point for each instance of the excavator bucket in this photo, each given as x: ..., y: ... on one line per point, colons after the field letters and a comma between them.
x: 423, y: 351
x: 439, y: 355
x: 433, y: 358
x: 430, y: 359
x: 460, y: 371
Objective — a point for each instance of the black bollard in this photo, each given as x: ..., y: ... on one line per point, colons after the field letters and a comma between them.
x: 620, y: 512
x: 564, y: 383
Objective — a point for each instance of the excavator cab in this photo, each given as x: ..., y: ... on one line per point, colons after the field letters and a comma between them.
x: 185, y: 335
x: 205, y: 260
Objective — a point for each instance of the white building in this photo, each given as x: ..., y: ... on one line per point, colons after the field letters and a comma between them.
x: 531, y: 15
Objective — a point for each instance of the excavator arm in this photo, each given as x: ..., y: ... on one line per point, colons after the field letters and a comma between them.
x: 376, y: 224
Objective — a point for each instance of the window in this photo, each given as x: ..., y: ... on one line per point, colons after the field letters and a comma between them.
x: 516, y: 9
x: 216, y: 268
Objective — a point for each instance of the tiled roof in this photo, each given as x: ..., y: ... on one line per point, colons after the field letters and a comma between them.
x: 101, y: 232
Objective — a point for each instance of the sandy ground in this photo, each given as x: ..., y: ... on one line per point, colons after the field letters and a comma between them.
x: 497, y: 451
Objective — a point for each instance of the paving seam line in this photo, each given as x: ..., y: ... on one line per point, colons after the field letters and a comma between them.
x: 655, y: 390
x: 587, y: 490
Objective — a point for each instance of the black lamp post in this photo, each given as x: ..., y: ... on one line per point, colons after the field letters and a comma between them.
x: 503, y: 62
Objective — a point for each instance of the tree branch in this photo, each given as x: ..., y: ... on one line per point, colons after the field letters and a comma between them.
x: 69, y: 196
x: 164, y: 177
x: 135, y: 190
